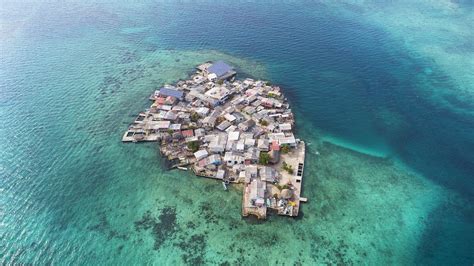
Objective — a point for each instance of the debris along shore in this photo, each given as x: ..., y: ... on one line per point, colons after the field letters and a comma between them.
x: 237, y: 131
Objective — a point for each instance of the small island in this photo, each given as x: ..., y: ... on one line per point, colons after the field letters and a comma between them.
x: 234, y: 131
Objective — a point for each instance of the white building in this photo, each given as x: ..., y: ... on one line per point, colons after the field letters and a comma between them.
x: 201, y: 154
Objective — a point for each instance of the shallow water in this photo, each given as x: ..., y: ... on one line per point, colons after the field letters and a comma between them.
x: 393, y: 127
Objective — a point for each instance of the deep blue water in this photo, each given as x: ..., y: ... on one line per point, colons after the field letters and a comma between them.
x: 73, y: 75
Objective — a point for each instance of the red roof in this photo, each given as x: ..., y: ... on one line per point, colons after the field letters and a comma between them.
x: 160, y: 100
x: 275, y: 146
x: 187, y: 133
x: 202, y: 162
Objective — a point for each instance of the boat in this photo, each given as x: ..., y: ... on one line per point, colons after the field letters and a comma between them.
x: 182, y: 168
x: 225, y: 185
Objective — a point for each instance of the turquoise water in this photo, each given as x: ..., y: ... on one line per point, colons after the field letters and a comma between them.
x: 389, y: 111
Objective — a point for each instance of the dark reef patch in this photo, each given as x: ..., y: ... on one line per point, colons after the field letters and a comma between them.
x: 102, y: 225
x: 208, y: 213
x: 162, y: 228
x: 193, y: 249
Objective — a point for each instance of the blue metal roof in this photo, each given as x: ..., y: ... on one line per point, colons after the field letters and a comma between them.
x: 171, y: 92
x: 219, y: 68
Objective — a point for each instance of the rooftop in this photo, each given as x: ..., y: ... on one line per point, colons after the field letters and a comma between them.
x: 171, y: 92
x: 220, y: 68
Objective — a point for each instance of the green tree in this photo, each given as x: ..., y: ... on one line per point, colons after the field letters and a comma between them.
x: 263, y: 122
x: 287, y: 168
x: 264, y: 158
x: 195, y: 117
x: 193, y: 146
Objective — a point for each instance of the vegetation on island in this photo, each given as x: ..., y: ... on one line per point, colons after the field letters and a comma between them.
x: 272, y: 95
x: 195, y: 117
x: 264, y: 158
x: 193, y: 146
x: 288, y: 168
x: 281, y: 187
x: 285, y: 148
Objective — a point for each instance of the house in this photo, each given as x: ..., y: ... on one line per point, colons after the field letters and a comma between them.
x: 276, y: 136
x: 159, y: 101
x: 233, y: 136
x: 222, y: 126
x: 170, y: 115
x: 267, y: 102
x: 237, y: 100
x: 221, y: 70
x: 218, y: 144
x: 175, y: 127
x: 251, y: 172
x: 220, y: 174
x: 200, y: 154
x: 238, y: 117
x: 186, y: 117
x: 230, y: 145
x: 202, y: 111
x: 249, y: 142
x: 275, y: 145
x: 212, y: 77
x: 199, y: 132
x: 268, y: 174
x: 166, y: 92
x: 194, y: 94
x: 257, y: 191
x: 214, y: 159
x: 198, y: 79
x: 230, y: 117
x: 248, y: 82
x: 220, y: 93
x: 190, y: 139
x: 165, y: 107
x: 285, y: 127
x: 187, y: 133
x: 171, y: 100
x: 242, y: 176
x: 230, y: 109
x: 231, y: 129
x: 210, y: 120
x: 263, y: 144
x: 161, y: 125
x: 250, y: 110
x: 204, y: 66
x: 244, y: 126
x: 177, y: 135
x: 231, y: 159
x: 240, y: 146
x: 288, y: 140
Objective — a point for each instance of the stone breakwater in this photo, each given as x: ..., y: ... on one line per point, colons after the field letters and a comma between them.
x: 235, y: 131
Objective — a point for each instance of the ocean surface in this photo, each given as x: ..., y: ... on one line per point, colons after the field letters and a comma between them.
x: 383, y: 94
